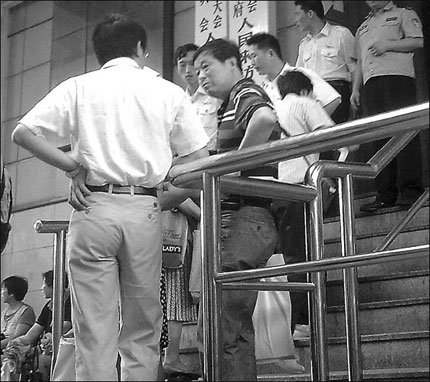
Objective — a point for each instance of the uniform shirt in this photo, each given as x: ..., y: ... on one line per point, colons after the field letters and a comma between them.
x: 330, y: 53
x: 45, y: 316
x: 124, y: 123
x: 245, y: 98
x: 390, y: 23
x: 323, y: 92
x: 299, y: 115
x: 207, y: 109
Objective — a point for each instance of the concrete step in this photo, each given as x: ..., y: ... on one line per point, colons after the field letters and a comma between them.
x: 380, y: 351
x: 383, y: 287
x: 383, y: 317
x: 376, y: 317
x: 378, y: 223
x: 398, y: 374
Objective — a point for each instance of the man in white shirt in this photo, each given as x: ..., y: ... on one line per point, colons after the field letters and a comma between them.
x: 328, y: 50
x: 265, y: 54
x: 124, y: 124
x: 206, y: 106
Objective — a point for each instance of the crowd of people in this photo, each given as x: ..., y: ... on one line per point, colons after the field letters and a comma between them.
x: 128, y: 126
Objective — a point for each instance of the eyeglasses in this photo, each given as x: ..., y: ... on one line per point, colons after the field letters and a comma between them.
x: 146, y: 54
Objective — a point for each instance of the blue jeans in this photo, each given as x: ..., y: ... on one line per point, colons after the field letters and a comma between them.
x: 248, y: 239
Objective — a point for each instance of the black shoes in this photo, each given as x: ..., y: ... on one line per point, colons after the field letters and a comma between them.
x: 376, y: 205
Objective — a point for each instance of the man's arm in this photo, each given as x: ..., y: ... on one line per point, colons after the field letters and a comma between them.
x: 50, y: 154
x: 173, y: 196
x: 356, y: 86
x: 405, y: 45
x: 259, y: 128
x: 42, y: 149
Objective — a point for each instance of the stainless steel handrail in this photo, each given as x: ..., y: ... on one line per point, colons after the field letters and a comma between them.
x: 404, y: 122
x: 59, y: 228
x: 402, y: 224
x: 364, y: 130
x: 208, y: 173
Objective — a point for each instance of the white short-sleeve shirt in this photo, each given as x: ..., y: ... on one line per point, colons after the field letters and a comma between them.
x: 124, y: 123
x: 299, y: 115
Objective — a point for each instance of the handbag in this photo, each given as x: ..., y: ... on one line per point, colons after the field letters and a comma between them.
x: 64, y: 368
x: 35, y: 375
x: 195, y: 282
x: 272, y: 321
x: 174, y: 227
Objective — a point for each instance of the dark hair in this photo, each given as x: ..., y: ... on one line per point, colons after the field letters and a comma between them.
x: 294, y: 81
x: 16, y: 285
x: 181, y: 51
x: 315, y: 6
x: 221, y: 49
x: 265, y: 41
x: 117, y: 36
x: 48, y: 276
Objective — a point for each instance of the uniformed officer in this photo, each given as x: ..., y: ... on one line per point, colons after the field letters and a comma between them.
x: 385, y: 44
x: 328, y: 50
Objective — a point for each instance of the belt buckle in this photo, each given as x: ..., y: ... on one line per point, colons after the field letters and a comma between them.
x: 132, y: 190
x: 110, y: 188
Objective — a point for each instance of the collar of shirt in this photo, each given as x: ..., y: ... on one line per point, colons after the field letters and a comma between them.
x: 388, y: 7
x: 121, y: 61
x: 325, y: 31
x: 198, y: 93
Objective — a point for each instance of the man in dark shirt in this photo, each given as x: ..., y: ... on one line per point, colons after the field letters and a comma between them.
x: 248, y: 233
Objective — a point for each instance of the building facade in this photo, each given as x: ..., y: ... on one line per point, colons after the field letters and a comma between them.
x: 45, y: 42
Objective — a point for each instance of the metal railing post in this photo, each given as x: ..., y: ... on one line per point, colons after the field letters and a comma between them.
x: 350, y: 280
x: 317, y: 301
x: 58, y: 294
x: 211, y: 297
x: 59, y: 228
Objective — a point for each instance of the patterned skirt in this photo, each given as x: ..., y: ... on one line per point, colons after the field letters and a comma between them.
x: 180, y: 305
x: 164, y: 339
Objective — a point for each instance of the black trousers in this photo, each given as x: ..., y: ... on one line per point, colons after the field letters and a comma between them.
x: 404, y: 173
x: 290, y: 221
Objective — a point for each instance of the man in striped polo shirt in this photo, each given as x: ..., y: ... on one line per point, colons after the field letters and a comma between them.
x: 245, y: 118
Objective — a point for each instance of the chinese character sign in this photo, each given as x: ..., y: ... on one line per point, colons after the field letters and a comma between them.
x: 245, y: 19
x: 210, y: 21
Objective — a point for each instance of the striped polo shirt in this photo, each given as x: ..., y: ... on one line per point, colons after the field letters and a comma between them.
x: 245, y: 98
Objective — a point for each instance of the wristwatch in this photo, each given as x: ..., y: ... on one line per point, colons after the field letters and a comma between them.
x: 73, y: 173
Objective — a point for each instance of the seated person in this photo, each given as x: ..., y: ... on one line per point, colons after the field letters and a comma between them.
x: 18, y: 317
x: 43, y: 326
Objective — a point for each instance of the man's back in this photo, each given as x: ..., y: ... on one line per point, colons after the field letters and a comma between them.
x: 121, y: 120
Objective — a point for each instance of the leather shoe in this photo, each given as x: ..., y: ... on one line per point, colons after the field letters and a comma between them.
x: 376, y: 205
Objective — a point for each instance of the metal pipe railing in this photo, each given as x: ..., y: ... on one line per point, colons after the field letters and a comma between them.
x: 404, y: 121
x: 324, y: 265
x: 364, y: 130
x: 402, y: 224
x: 350, y: 277
x: 59, y: 228
x: 207, y: 174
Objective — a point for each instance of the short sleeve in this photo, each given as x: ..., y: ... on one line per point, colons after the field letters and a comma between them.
x: 248, y: 100
x: 28, y: 317
x: 187, y: 134
x: 45, y: 317
x: 55, y: 114
x: 411, y: 24
x: 316, y: 116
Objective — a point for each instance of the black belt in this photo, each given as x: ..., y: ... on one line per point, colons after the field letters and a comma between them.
x: 118, y: 189
x: 234, y: 203
x: 339, y: 82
